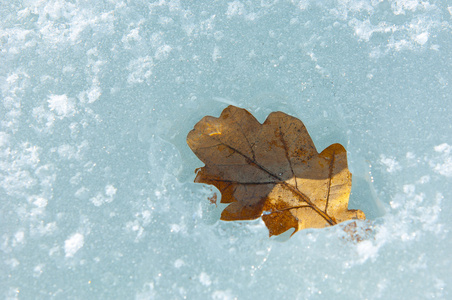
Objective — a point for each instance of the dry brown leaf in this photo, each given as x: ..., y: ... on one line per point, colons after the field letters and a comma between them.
x: 272, y: 170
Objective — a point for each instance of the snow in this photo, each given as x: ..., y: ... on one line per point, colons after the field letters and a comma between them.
x: 444, y: 167
x: 178, y: 263
x: 235, y: 8
x: 140, y: 69
x: 61, y: 104
x: 73, y: 244
x: 204, y: 279
x: 390, y: 163
x: 96, y: 178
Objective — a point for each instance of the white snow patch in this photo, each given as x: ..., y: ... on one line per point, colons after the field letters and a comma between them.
x: 369, y: 249
x: 390, y: 163
x: 69, y: 152
x: 146, y: 215
x: 235, y: 8
x: 178, y: 263
x: 223, y: 295
x: 409, y: 189
x: 19, y: 237
x: 110, y: 190
x: 413, y: 215
x: 443, y: 148
x: 366, y: 250
x: 66, y: 151
x: 302, y: 4
x: 410, y: 155
x: 134, y: 35
x: 157, y: 39
x: 412, y: 35
x: 44, y: 118
x: 4, y: 139
x: 204, y: 278
x: 99, y: 199
x: 74, y: 243
x: 444, y: 166
x: 37, y: 271
x: 140, y: 69
x: 54, y: 250
x: 163, y: 52
x: 94, y: 93
x: 400, y: 45
x: 135, y: 227
x: 216, y: 53
x: 430, y: 216
x: 424, y: 179
x: 82, y: 193
x: 400, y: 6
x: 218, y: 35
x: 13, y: 263
x: 147, y: 292
x: 364, y: 29
x: 175, y: 228
x: 62, y: 105
x: 163, y: 20
x: 422, y: 38
x: 40, y: 202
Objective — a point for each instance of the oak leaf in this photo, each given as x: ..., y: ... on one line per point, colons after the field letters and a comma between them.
x: 272, y: 170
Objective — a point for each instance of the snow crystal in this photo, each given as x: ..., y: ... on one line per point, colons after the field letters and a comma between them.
x: 38, y: 270
x: 443, y: 165
x: 140, y: 69
x: 176, y: 228
x: 62, y: 105
x: 40, y: 202
x: 13, y: 263
x: 4, y: 139
x: 74, y: 243
x: 235, y: 8
x: 110, y: 190
x: 204, y: 279
x: 178, y: 263
x: 421, y: 38
x: 135, y: 227
x: 94, y: 93
x: 424, y: 179
x: 410, y: 155
x: 223, y: 295
x: 443, y: 148
x: 19, y: 237
x: 162, y: 52
x: 66, y: 151
x: 390, y: 163
x: 100, y: 198
x: 216, y: 53
x: 366, y: 250
x: 400, y: 7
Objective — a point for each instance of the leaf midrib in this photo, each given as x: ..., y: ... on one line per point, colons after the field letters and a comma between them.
x: 295, y: 190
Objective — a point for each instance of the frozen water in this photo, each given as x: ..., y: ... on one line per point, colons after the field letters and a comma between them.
x: 97, y: 198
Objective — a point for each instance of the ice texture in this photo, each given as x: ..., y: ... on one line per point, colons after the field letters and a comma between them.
x: 96, y: 180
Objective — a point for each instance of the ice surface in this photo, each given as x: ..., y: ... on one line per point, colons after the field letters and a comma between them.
x: 97, y: 97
